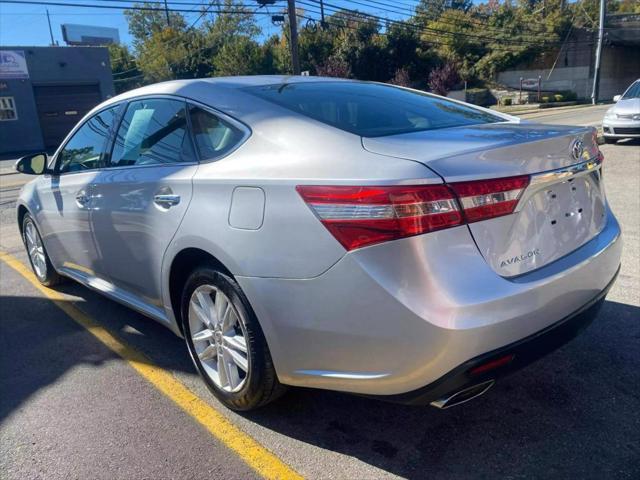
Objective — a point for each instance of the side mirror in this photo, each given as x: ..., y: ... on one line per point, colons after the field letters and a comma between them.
x: 617, y: 97
x: 35, y: 164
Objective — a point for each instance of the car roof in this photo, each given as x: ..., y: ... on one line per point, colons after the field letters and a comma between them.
x: 191, y: 87
x: 223, y: 93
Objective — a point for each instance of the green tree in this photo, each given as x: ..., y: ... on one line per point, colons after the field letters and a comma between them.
x: 455, y: 38
x: 231, y: 41
x: 145, y: 23
x: 238, y: 56
x: 428, y: 10
x: 125, y: 71
x: 173, y: 54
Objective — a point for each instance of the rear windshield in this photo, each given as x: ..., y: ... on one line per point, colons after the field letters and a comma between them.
x: 371, y: 109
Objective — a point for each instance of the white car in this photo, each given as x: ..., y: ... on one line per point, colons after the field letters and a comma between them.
x: 623, y: 119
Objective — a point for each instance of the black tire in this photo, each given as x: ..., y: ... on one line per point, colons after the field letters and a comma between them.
x: 610, y: 140
x: 261, y: 385
x: 49, y: 277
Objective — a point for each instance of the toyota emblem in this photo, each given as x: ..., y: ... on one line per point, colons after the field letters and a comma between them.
x: 577, y: 149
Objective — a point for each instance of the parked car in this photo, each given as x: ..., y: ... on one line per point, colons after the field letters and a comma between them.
x: 622, y: 120
x: 326, y: 233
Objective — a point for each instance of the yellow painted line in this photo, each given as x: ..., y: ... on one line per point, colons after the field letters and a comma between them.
x: 255, y: 455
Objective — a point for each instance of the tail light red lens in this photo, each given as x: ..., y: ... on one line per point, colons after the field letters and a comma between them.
x: 484, y: 199
x: 361, y: 216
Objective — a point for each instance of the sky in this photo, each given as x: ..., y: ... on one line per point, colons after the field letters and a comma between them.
x: 26, y: 24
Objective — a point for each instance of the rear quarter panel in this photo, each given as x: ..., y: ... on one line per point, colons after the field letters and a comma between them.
x: 291, y: 242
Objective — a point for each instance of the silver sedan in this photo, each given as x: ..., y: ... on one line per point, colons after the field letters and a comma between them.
x: 622, y: 120
x: 333, y: 234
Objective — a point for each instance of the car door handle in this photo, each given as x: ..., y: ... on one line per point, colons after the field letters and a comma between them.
x: 82, y: 199
x: 166, y: 200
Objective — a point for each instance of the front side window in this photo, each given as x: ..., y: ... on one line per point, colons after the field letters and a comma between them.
x: 214, y: 137
x: 633, y: 91
x: 372, y: 109
x: 85, y: 149
x: 152, y: 132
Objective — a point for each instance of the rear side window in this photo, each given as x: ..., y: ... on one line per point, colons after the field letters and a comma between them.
x: 371, y: 109
x: 213, y: 136
x: 153, y: 132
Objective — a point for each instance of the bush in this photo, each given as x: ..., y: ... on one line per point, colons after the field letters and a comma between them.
x: 558, y: 98
x: 570, y: 96
x: 443, y: 79
x: 507, y: 101
x: 481, y: 96
x: 544, y: 100
x: 334, y: 67
x: 401, y: 78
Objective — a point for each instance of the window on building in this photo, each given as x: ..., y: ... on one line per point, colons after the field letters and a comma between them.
x: 8, y: 109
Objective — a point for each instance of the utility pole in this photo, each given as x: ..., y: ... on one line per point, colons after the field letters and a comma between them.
x: 322, y: 14
x: 166, y: 11
x: 50, y: 30
x: 293, y: 30
x: 596, y: 71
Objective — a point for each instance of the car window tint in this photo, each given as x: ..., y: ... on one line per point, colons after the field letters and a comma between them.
x: 633, y: 92
x: 371, y: 109
x: 214, y: 137
x: 152, y: 132
x: 85, y: 148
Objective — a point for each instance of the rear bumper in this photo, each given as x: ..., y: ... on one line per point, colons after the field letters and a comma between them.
x: 389, y: 319
x: 511, y: 357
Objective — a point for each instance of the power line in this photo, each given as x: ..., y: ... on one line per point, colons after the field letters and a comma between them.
x: 413, y: 12
x: 362, y: 21
x: 446, y: 32
x: 120, y: 7
x: 359, y: 17
x: 172, y: 2
x: 433, y: 31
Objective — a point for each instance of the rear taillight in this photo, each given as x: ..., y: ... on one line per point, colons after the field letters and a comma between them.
x: 484, y: 199
x: 361, y: 216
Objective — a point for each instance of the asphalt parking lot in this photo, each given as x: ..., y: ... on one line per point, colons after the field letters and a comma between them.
x: 73, y: 407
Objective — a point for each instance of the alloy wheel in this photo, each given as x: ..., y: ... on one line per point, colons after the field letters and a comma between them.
x: 35, y: 249
x: 219, y: 338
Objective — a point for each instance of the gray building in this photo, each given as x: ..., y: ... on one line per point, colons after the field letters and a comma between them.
x: 572, y: 66
x: 45, y: 91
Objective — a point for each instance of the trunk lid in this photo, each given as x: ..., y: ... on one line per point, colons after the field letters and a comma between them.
x: 562, y: 208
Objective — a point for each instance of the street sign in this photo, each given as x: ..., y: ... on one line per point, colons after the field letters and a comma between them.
x: 530, y: 83
x: 13, y: 64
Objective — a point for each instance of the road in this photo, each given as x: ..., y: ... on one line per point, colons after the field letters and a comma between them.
x: 589, y: 116
x: 70, y: 407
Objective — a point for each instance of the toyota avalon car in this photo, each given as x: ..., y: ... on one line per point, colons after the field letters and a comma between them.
x: 325, y: 233
x: 622, y: 120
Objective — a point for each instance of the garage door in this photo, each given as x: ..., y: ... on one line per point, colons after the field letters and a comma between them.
x: 60, y: 107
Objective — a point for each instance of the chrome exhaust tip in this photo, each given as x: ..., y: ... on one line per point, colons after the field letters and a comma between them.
x: 463, y: 396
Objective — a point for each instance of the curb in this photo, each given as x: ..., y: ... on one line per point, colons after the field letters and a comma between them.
x: 548, y: 110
